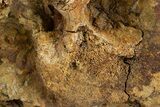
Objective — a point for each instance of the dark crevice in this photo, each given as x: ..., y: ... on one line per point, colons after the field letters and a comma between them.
x: 125, y: 60
x: 57, y: 18
x: 47, y: 21
x: 51, y: 18
x: 134, y: 103
x: 1, y: 61
x: 70, y: 31
x: 12, y: 103
x: 17, y: 103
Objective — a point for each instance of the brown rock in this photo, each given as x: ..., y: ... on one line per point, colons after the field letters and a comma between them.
x: 80, y: 53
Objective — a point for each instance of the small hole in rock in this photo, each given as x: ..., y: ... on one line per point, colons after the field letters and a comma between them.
x: 74, y: 65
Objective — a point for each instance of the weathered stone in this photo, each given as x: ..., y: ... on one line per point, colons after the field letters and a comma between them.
x: 80, y: 53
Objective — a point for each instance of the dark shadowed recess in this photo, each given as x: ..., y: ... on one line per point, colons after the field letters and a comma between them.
x: 12, y: 103
x: 52, y: 20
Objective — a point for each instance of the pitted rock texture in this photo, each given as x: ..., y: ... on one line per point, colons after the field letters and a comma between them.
x: 79, y: 53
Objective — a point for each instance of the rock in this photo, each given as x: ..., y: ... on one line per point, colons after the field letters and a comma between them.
x: 80, y: 53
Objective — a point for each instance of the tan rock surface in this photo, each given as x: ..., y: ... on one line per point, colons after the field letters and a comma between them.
x: 79, y: 53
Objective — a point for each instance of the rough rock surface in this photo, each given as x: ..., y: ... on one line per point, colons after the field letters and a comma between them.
x: 79, y: 53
